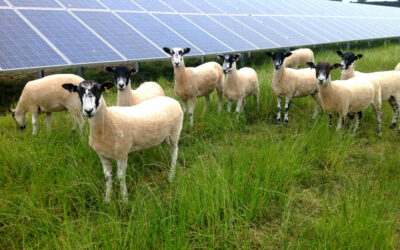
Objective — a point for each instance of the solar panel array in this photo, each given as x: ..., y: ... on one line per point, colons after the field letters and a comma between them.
x: 38, y: 34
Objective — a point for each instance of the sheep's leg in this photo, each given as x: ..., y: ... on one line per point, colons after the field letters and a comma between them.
x: 207, y: 97
x: 192, y: 103
x: 174, y: 156
x: 317, y: 109
x: 257, y: 97
x: 78, y: 120
x: 34, y: 123
x: 278, y: 116
x: 395, y: 108
x: 239, y: 105
x: 107, y: 169
x: 357, y: 123
x: 229, y: 105
x: 287, y: 106
x: 122, y: 164
x: 219, y: 93
x: 340, y: 122
x: 49, y: 117
x: 185, y: 106
x: 379, y: 116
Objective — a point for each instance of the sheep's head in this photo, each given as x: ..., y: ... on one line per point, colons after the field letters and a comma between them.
x: 19, y: 117
x: 322, y: 71
x: 229, y: 62
x: 348, y: 59
x: 176, y: 55
x: 90, y: 94
x: 121, y: 75
x: 278, y: 58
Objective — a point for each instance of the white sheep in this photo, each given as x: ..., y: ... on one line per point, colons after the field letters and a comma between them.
x: 238, y: 84
x: 191, y: 83
x: 346, y: 96
x: 348, y: 64
x: 129, y: 97
x: 299, y: 57
x: 397, y: 67
x: 117, y: 131
x: 292, y: 83
x: 45, y: 95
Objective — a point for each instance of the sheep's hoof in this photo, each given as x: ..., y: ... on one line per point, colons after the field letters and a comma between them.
x: 278, y: 121
x: 379, y: 133
x: 286, y: 122
x: 392, y: 126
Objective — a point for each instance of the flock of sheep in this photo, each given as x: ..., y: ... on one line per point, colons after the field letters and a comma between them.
x: 145, y: 117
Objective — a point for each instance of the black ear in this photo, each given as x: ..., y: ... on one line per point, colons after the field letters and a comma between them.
x: 186, y: 50
x: 70, y: 87
x: 340, y: 53
x: 359, y: 56
x: 167, y: 50
x: 237, y: 57
x: 288, y: 54
x: 132, y: 71
x: 106, y: 86
x: 109, y: 69
x: 269, y: 54
x: 336, y: 66
x: 311, y: 65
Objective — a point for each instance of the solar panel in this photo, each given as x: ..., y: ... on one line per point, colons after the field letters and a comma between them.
x: 206, y: 7
x: 80, y: 45
x: 154, y: 5
x: 35, y: 3
x: 117, y: 33
x: 309, y: 33
x: 2, y: 3
x: 181, y: 6
x: 227, y: 7
x: 87, y: 4
x: 244, y: 8
x: 157, y: 32
x: 21, y: 46
x: 121, y: 5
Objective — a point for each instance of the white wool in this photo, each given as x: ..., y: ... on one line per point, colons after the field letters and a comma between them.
x: 146, y: 90
x: 299, y: 58
x: 397, y: 67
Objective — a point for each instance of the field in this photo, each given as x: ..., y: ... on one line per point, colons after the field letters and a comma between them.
x: 242, y: 182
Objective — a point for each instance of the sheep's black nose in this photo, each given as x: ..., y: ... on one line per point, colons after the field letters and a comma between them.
x: 88, y: 111
x: 22, y: 127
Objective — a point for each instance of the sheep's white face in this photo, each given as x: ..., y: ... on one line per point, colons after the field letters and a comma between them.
x: 122, y: 76
x: 278, y: 58
x: 20, y: 118
x: 322, y: 71
x: 177, y: 55
x: 229, y: 62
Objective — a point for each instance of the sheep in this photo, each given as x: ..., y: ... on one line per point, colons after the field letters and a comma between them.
x: 44, y: 96
x: 397, y: 68
x: 346, y: 96
x: 117, y: 131
x: 291, y: 83
x: 238, y: 84
x: 299, y: 57
x: 129, y: 97
x: 191, y: 83
x: 389, y: 81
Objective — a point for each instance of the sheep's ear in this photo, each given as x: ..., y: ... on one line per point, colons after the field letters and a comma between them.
x: 269, y: 54
x: 109, y: 69
x: 132, y: 71
x: 186, y: 50
x: 340, y: 53
x: 311, y: 65
x: 220, y: 56
x: 70, y: 87
x: 237, y: 57
x: 359, y: 56
x: 288, y: 54
x: 106, y: 86
x: 167, y: 50
x: 336, y: 65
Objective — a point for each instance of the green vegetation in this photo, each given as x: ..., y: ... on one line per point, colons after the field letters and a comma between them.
x: 241, y: 183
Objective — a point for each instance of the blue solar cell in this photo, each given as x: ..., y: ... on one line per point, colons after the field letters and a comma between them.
x: 122, y: 37
x: 244, y: 7
x: 2, y: 3
x: 181, y: 6
x: 221, y: 33
x: 267, y: 31
x: 156, y: 32
x: 264, y: 7
x: 244, y: 31
x: 35, y: 3
x: 121, y: 5
x: 154, y: 5
x: 330, y: 28
x: 205, y: 7
x: 225, y: 6
x: 195, y: 35
x: 87, y: 4
x: 314, y: 30
x: 73, y: 39
x: 21, y: 46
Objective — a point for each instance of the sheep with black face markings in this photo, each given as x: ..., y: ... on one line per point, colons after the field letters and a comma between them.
x: 348, y: 65
x: 299, y: 57
x: 117, y: 131
x: 45, y: 95
x: 238, y: 84
x: 129, y: 97
x: 291, y: 83
x: 199, y: 81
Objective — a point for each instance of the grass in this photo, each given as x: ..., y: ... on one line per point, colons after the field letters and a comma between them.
x: 241, y: 183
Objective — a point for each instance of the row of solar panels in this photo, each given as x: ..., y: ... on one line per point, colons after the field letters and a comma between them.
x: 39, y: 38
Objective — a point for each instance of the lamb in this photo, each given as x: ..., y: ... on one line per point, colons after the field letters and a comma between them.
x: 291, y: 83
x: 348, y: 64
x: 191, y: 83
x: 129, y: 97
x: 397, y: 67
x: 299, y: 57
x: 238, y: 84
x: 45, y: 95
x: 117, y: 131
x: 346, y: 96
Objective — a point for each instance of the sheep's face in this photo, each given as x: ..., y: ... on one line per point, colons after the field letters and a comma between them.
x: 348, y: 59
x: 278, y: 58
x: 121, y: 75
x: 229, y: 62
x: 177, y: 55
x: 20, y: 118
x: 90, y: 94
x: 322, y: 71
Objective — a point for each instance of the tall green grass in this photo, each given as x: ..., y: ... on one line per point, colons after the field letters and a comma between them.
x: 241, y: 182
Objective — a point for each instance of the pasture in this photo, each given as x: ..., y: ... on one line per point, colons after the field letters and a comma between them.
x: 241, y: 182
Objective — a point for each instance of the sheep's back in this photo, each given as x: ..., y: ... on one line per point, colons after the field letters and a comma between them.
x: 148, y: 90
